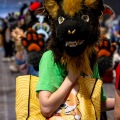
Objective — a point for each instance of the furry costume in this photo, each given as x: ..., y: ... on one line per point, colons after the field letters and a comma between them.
x: 105, y: 59
x: 27, y: 15
x: 33, y: 40
x: 75, y: 26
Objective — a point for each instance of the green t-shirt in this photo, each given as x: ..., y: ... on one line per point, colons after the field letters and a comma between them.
x: 52, y: 74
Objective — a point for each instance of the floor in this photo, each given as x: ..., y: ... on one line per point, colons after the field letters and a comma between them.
x: 7, y: 92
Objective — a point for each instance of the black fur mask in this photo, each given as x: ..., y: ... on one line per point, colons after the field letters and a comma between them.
x: 73, y: 34
x: 77, y: 32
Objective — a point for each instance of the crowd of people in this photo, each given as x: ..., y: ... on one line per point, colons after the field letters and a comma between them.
x: 24, y: 37
x: 110, y: 30
x: 16, y: 24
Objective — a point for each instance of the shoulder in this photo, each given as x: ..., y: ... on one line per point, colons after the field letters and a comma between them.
x: 48, y: 55
x: 47, y: 58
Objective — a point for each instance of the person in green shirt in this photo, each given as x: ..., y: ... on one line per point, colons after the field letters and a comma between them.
x: 54, y: 74
x: 54, y: 85
x: 70, y: 58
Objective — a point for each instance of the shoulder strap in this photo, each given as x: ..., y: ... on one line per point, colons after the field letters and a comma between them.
x: 29, y: 99
x: 93, y: 87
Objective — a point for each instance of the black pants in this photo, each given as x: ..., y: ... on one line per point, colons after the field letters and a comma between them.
x: 8, y: 48
x: 103, y: 116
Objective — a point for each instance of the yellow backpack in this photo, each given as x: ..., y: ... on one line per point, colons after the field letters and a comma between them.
x: 83, y: 102
x: 27, y: 102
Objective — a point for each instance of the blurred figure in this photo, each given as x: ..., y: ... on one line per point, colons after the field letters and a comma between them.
x: 111, y: 20
x: 109, y: 24
x: 103, y: 28
x: 26, y: 19
x: 3, y: 27
x: 27, y: 15
x: 11, y: 23
x: 105, y: 59
x: 31, y: 43
x: 29, y: 47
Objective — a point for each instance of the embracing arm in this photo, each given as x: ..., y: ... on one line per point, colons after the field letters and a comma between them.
x: 50, y: 102
x: 51, y: 76
x: 108, y: 104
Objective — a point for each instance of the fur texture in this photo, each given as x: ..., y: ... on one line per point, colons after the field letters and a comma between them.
x: 75, y: 32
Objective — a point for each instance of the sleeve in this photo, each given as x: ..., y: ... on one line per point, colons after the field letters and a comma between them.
x: 103, y: 96
x: 49, y: 76
x: 19, y: 62
x: 96, y: 72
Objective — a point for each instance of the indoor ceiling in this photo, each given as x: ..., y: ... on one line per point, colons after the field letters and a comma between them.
x: 7, y: 6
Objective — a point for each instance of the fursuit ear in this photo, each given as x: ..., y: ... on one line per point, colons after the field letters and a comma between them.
x: 39, y: 8
x: 52, y: 7
x: 108, y: 10
x: 100, y: 8
x: 40, y: 11
x: 96, y: 5
x: 59, y: 1
x: 104, y: 9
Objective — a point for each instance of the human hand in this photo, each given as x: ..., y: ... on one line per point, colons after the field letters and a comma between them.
x: 16, y: 34
x: 73, y: 75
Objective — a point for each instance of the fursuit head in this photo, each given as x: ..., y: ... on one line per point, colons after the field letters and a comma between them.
x: 75, y: 32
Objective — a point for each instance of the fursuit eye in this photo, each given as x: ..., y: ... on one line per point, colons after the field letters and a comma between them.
x: 61, y: 19
x: 85, y: 18
x: 46, y: 27
x: 36, y: 26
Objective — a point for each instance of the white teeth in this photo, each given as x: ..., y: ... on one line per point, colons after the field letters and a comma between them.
x: 74, y: 43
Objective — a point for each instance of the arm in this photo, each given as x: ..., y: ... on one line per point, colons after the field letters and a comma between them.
x: 50, y: 102
x: 21, y: 62
x: 117, y: 94
x: 117, y: 105
x: 20, y: 55
x: 54, y: 84
x: 108, y: 104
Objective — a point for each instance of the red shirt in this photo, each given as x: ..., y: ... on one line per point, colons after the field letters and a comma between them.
x: 117, y: 84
